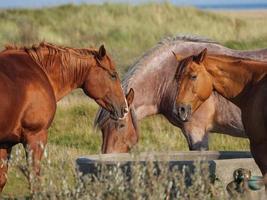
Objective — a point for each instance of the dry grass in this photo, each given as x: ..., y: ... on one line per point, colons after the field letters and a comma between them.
x: 59, y: 180
x: 127, y: 31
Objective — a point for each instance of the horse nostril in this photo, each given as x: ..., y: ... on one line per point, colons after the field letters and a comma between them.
x: 182, y: 109
x: 126, y: 110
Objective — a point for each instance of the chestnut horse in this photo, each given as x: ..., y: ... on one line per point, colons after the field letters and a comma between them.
x: 241, y: 81
x: 32, y: 80
x: 153, y: 80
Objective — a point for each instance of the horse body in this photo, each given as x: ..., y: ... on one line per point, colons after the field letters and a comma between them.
x: 240, y: 80
x: 153, y: 79
x: 32, y: 80
x: 17, y: 84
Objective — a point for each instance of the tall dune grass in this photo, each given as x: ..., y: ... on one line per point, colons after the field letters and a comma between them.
x: 127, y: 31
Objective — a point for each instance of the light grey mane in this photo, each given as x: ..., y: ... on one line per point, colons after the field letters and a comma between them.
x: 154, y: 51
x: 140, y: 64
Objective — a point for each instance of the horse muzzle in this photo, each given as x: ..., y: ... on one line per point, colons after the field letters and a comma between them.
x: 198, y: 147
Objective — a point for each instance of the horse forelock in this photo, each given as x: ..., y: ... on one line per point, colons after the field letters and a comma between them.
x: 181, y: 67
x: 180, y: 70
x: 101, y: 118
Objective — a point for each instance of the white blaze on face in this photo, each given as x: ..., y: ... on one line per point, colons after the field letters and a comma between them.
x: 126, y: 109
x: 125, y: 115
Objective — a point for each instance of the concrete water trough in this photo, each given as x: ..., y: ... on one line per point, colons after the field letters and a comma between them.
x: 221, y: 164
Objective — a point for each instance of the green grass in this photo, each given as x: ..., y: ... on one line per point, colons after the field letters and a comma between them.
x: 127, y: 31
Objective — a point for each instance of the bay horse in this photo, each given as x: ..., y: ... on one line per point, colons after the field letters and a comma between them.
x: 33, y: 80
x: 154, y: 85
x: 242, y: 81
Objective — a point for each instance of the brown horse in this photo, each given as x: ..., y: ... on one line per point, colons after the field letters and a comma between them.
x: 242, y: 81
x: 33, y: 79
x: 153, y: 79
x: 120, y: 135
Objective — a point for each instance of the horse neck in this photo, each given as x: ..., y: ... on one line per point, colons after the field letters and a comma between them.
x: 146, y: 100
x: 158, y: 70
x: 66, y: 72
x: 230, y: 76
x: 153, y: 88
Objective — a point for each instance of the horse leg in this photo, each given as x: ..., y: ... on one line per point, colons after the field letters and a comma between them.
x: 254, y: 118
x: 34, y: 144
x: 4, y: 157
x: 259, y: 151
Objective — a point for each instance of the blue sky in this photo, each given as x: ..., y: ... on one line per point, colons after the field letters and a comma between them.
x: 40, y: 3
x: 213, y: 2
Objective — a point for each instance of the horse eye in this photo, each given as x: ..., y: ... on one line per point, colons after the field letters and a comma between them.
x: 193, y: 77
x: 113, y: 76
x: 121, y: 126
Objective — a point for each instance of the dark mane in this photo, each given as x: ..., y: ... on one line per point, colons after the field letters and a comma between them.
x: 103, y: 116
x: 181, y: 67
x: 140, y: 64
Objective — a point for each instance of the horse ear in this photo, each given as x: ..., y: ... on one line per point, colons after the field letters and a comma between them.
x: 201, y: 56
x: 130, y: 97
x: 174, y: 54
x: 178, y: 57
x: 101, y: 52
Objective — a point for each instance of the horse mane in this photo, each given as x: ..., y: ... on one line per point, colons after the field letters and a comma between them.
x: 160, y: 46
x: 36, y: 51
x: 58, y: 48
x: 187, y: 38
x: 140, y: 64
x: 68, y: 56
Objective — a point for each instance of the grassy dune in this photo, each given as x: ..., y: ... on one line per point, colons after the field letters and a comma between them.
x: 127, y: 31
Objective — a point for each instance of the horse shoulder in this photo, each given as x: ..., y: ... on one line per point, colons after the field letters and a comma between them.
x: 27, y: 96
